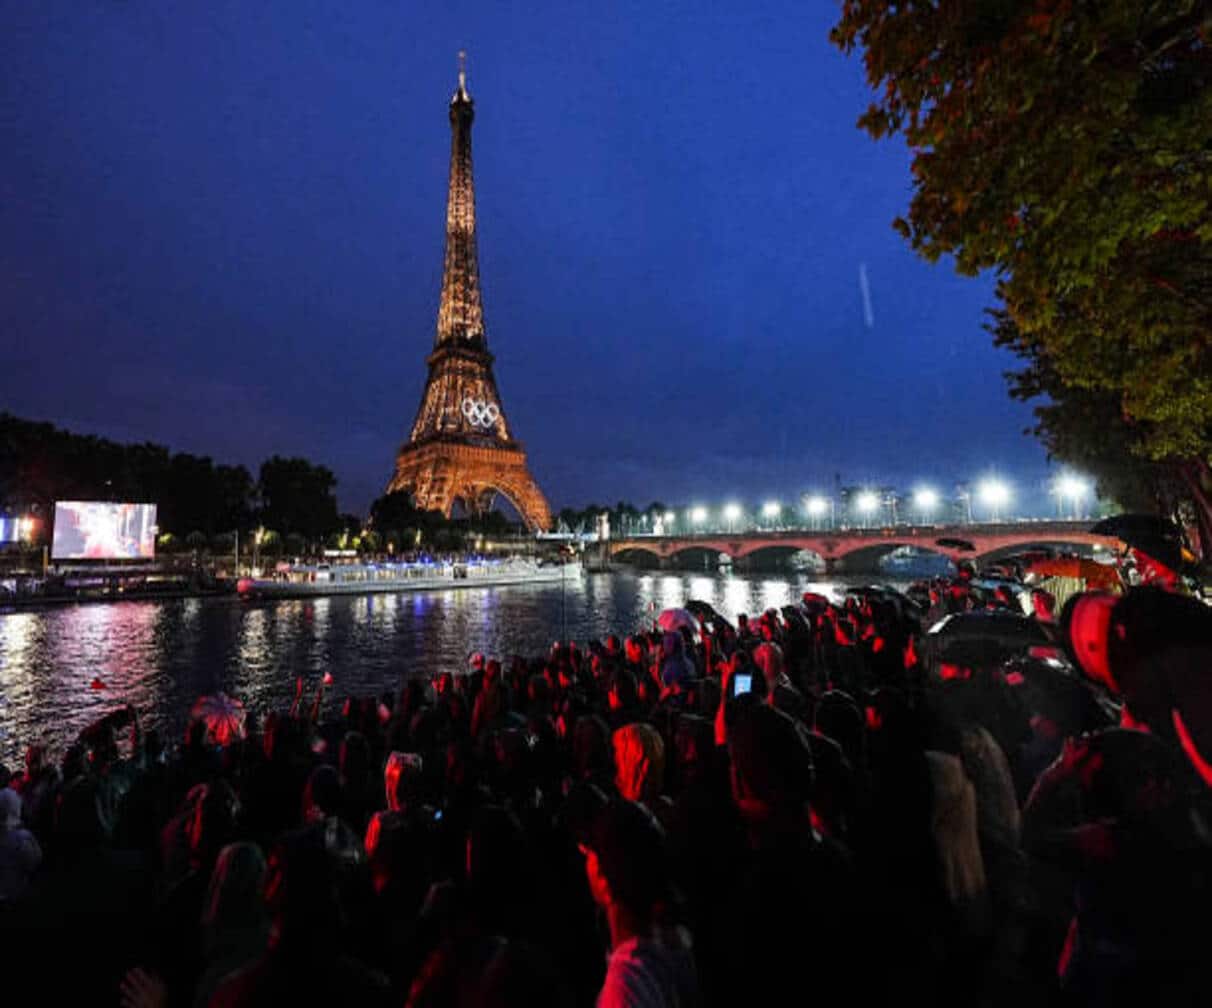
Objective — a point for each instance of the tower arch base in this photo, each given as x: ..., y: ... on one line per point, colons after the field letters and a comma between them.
x: 438, y: 473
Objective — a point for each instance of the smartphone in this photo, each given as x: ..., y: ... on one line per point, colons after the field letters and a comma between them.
x: 742, y: 683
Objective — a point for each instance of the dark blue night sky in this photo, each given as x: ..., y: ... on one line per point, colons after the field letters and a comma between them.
x: 221, y: 228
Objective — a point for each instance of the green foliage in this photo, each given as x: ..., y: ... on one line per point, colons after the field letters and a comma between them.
x: 1068, y: 147
x: 271, y: 543
x: 297, y: 496
x: 395, y: 519
x: 396, y: 511
x: 1086, y: 428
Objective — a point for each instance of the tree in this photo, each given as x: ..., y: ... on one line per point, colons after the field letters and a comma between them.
x: 1086, y: 428
x: 231, y: 496
x: 396, y: 512
x: 40, y: 464
x: 1068, y: 147
x: 297, y: 496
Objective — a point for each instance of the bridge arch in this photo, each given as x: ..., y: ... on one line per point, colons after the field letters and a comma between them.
x: 637, y: 556
x: 697, y: 556
x: 1076, y: 543
x: 766, y: 556
x: 866, y: 556
x: 477, y: 498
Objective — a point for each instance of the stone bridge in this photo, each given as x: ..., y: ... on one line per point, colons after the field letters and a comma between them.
x: 855, y: 549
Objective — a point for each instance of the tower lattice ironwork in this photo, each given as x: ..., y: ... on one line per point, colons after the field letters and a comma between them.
x: 461, y: 448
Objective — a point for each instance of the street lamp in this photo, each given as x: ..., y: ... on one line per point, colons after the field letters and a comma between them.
x: 816, y: 508
x: 698, y: 515
x: 731, y: 513
x: 770, y: 511
x: 1071, y: 488
x: 995, y: 495
x: 867, y: 503
x: 964, y: 496
x: 925, y: 500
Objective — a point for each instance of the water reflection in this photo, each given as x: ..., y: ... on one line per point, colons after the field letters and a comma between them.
x: 735, y: 597
x: 161, y: 656
x: 775, y: 594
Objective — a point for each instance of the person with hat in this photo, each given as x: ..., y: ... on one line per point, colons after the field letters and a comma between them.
x: 650, y: 964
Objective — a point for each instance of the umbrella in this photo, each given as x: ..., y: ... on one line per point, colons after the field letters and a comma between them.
x: 222, y: 715
x: 1152, y: 535
x: 1096, y: 575
x: 959, y: 544
x: 675, y: 619
x: 1130, y: 526
x: 982, y: 636
x: 705, y: 611
x: 1051, y: 688
x: 975, y: 652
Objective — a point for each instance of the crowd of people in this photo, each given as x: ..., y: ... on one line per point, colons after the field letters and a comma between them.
x: 813, y: 802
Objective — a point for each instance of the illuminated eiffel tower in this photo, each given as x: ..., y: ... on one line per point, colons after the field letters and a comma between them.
x: 460, y: 448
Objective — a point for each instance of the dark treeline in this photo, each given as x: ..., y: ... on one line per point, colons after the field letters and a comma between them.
x: 39, y: 464
x: 624, y: 516
x: 202, y: 503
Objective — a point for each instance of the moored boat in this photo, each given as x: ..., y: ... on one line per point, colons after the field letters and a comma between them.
x: 305, y: 580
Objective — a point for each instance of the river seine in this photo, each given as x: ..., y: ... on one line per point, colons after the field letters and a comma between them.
x: 160, y: 656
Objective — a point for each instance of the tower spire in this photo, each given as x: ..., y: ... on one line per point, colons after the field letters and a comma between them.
x: 460, y: 311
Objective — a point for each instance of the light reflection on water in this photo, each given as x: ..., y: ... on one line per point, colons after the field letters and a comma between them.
x: 160, y: 656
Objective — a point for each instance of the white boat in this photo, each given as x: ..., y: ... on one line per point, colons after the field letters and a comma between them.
x: 305, y: 580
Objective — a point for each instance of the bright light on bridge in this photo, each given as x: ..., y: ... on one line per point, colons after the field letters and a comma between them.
x: 698, y: 515
x: 995, y: 495
x: 817, y: 506
x: 670, y: 517
x: 925, y: 500
x: 771, y: 509
x: 867, y: 502
x: 1072, y: 489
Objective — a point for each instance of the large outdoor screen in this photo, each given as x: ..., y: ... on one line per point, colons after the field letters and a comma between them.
x: 96, y: 530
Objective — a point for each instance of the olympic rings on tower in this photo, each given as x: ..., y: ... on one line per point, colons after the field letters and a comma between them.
x: 480, y: 412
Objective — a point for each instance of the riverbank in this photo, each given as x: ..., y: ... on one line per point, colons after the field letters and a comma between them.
x: 35, y: 602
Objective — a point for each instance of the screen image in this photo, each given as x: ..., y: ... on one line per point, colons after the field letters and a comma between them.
x: 96, y: 530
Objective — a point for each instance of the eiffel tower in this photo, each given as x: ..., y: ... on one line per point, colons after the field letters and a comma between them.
x: 461, y: 448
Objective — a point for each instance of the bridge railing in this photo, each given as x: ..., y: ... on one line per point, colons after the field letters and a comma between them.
x: 983, y: 529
